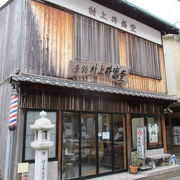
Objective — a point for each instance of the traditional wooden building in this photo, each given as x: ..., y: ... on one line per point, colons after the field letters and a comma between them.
x: 97, y: 67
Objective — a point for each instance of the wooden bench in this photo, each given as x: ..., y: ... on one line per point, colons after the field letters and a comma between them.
x: 155, y: 155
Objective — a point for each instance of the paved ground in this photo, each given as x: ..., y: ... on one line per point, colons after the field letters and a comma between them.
x: 167, y: 176
x: 173, y: 172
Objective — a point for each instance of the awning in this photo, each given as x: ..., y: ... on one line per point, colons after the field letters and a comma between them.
x: 61, y: 82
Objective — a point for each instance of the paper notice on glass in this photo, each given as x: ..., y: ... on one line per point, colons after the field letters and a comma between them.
x: 153, y: 133
x: 106, y: 135
x: 99, y: 134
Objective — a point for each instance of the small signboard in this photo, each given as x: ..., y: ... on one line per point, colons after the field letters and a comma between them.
x: 141, y: 134
x: 23, y: 167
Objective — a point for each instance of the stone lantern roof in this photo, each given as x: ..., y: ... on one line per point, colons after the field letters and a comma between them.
x: 43, y: 123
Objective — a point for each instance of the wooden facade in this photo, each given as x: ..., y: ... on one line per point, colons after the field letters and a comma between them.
x: 50, y: 44
x: 79, y: 100
x: 41, y: 39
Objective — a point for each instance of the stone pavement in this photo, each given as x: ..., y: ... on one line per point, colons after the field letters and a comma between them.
x: 142, y: 174
x: 175, y: 175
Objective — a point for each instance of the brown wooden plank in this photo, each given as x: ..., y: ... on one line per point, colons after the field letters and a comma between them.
x: 164, y: 132
x: 59, y: 139
x: 128, y: 130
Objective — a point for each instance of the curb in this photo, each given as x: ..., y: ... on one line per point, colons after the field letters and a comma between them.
x: 157, y: 172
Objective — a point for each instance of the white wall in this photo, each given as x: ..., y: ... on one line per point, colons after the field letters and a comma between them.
x: 172, y: 62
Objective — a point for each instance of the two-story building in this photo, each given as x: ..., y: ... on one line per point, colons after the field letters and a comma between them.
x: 97, y: 68
x: 171, y: 44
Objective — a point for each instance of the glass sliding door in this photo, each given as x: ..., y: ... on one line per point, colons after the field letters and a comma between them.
x: 92, y: 144
x: 88, y: 145
x: 119, y: 142
x: 70, y: 145
x: 104, y: 143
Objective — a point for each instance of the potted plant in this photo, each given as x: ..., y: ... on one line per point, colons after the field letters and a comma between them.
x: 135, y: 162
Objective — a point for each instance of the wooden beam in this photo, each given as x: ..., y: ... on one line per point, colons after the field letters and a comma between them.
x: 129, y: 141
x: 59, y: 135
x: 164, y: 132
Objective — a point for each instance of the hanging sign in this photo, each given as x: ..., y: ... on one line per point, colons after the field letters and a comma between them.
x: 113, y: 18
x: 141, y: 131
x: 113, y: 72
x: 13, y: 112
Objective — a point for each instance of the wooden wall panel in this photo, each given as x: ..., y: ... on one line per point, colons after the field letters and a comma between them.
x: 49, y: 41
x: 5, y: 93
x: 140, y: 82
x: 10, y: 38
x: 44, y: 97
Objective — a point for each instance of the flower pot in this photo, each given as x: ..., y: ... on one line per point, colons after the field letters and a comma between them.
x: 133, y: 169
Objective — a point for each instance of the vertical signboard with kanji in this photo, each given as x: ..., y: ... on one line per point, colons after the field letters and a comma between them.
x: 141, y: 143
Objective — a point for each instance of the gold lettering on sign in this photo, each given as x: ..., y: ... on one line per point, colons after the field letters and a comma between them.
x: 113, y: 72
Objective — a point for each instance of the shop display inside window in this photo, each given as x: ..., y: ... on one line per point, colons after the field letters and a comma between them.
x: 176, y: 135
x: 176, y: 130
x: 154, y: 132
x: 153, y: 126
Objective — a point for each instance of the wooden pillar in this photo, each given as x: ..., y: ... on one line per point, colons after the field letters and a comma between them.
x: 129, y: 139
x: 164, y: 132
x: 59, y: 135
x: 171, y: 146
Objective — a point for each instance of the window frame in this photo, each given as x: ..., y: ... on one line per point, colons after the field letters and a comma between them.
x: 24, y: 135
x: 161, y: 134
x: 144, y: 116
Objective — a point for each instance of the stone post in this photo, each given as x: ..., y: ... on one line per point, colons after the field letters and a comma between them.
x: 41, y: 144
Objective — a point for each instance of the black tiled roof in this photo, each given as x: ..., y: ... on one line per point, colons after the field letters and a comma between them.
x: 88, y: 86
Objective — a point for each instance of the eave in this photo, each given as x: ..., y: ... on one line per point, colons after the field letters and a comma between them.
x: 139, y: 14
x: 61, y: 82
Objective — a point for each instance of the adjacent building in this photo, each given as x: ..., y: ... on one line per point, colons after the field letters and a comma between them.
x: 97, y: 68
x: 172, y: 55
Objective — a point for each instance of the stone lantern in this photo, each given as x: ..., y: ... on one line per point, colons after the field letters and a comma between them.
x: 41, y: 144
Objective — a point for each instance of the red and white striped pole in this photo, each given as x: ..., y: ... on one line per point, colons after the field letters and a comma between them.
x: 13, y: 112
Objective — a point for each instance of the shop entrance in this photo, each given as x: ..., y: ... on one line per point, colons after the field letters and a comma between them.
x: 93, y: 144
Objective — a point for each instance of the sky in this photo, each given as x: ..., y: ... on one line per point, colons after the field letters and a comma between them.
x: 2, y: 2
x: 168, y: 10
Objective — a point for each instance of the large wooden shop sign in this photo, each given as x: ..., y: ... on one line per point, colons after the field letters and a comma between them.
x: 110, y: 17
x: 113, y: 72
